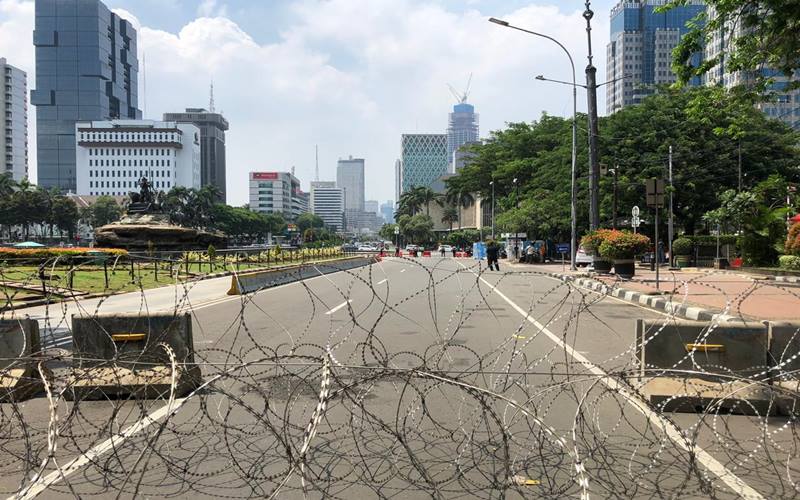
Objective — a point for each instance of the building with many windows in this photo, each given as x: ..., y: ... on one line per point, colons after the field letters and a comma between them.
x: 112, y: 156
x: 277, y: 192
x: 212, y: 144
x: 783, y: 105
x: 639, y: 55
x: 14, y: 135
x: 462, y: 129
x: 86, y: 70
x: 327, y: 201
x: 424, y: 159
x: 350, y: 177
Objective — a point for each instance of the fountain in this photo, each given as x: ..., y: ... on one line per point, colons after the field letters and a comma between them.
x: 145, y: 226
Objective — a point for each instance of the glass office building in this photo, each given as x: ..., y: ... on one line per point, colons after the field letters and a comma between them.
x: 462, y: 128
x: 350, y: 177
x: 86, y: 70
x: 641, y: 48
x: 424, y: 159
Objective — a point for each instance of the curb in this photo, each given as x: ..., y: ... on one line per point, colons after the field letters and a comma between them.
x: 652, y: 302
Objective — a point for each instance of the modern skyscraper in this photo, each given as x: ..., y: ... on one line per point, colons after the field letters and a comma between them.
x: 387, y: 211
x: 327, y: 201
x: 15, y: 134
x: 641, y: 46
x: 112, y: 156
x: 373, y: 206
x: 350, y: 177
x: 784, y: 105
x: 86, y: 70
x: 276, y: 192
x: 424, y: 159
x: 212, y: 144
x: 462, y: 128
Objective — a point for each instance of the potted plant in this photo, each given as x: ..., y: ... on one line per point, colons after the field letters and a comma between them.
x: 682, y: 248
x: 591, y: 245
x: 622, y: 247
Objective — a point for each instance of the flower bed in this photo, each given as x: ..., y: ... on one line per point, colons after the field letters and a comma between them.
x: 53, y: 252
x: 623, y: 245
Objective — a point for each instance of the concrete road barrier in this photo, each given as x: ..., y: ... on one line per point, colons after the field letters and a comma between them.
x: 19, y: 373
x: 124, y: 355
x: 693, y: 366
x: 784, y: 360
x: 249, y: 282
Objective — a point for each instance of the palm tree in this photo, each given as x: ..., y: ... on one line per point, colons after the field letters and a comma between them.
x: 450, y: 216
x: 409, y: 202
x: 426, y: 196
x: 461, y: 198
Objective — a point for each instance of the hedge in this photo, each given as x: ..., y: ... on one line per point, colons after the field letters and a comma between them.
x: 707, y: 240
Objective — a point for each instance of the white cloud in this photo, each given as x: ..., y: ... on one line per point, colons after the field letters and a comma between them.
x: 349, y: 75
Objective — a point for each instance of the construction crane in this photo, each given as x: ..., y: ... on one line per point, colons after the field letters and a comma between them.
x: 461, y: 97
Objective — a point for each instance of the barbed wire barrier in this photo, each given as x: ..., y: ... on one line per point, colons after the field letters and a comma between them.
x: 446, y: 381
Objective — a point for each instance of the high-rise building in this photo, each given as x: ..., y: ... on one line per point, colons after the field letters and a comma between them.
x: 15, y: 134
x: 462, y: 128
x: 784, y: 104
x: 86, y: 70
x: 373, y: 206
x: 387, y: 211
x: 327, y: 201
x: 398, y: 178
x: 639, y: 55
x: 212, y: 144
x: 350, y: 177
x: 424, y: 159
x: 276, y: 192
x: 112, y: 156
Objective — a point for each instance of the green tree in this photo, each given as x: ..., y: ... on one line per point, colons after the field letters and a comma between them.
x: 104, y: 210
x: 417, y: 228
x: 309, y: 221
x: 387, y: 232
x: 64, y: 215
x: 450, y: 216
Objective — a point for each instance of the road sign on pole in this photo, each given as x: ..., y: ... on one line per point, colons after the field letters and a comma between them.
x: 655, y: 192
x: 635, y: 211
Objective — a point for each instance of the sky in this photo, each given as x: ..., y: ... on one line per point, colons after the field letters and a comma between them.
x: 350, y: 76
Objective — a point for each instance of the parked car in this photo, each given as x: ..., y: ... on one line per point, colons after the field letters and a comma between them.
x: 447, y: 249
x: 411, y: 248
x: 583, y: 259
x: 349, y: 247
x: 367, y: 248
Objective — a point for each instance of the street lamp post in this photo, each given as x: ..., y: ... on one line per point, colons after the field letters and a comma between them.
x: 574, y: 192
x: 516, y: 188
x: 492, y: 184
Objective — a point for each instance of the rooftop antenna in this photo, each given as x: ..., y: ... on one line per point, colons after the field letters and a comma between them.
x: 211, y: 98
x: 316, y: 158
x: 461, y: 97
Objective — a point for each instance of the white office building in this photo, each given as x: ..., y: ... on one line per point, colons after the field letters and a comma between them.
x: 112, y: 156
x: 328, y: 202
x: 15, y: 133
x: 277, y: 192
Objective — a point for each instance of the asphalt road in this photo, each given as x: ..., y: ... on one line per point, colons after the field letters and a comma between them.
x: 440, y: 381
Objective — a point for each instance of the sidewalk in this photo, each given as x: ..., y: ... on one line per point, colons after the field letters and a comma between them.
x: 703, y: 293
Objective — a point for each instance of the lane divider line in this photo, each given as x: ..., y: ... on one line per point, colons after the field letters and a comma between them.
x: 339, y: 306
x: 381, y: 282
x: 733, y: 481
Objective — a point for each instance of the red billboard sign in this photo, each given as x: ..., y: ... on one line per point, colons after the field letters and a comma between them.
x: 264, y: 176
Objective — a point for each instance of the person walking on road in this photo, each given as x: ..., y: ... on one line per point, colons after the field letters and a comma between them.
x: 454, y: 252
x: 516, y: 251
x: 492, y: 255
x: 397, y: 251
x: 529, y: 254
x: 441, y: 250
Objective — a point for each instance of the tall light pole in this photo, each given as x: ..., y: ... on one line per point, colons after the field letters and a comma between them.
x: 591, y: 99
x: 574, y: 192
x: 492, y: 184
x: 516, y: 188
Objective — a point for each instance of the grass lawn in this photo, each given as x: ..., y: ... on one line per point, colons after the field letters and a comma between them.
x: 92, y: 278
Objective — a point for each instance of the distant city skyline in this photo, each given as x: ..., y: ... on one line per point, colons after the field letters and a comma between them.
x: 286, y: 82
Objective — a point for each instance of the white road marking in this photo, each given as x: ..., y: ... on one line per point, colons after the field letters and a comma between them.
x: 381, y: 282
x: 403, y: 270
x: 712, y: 464
x: 40, y: 485
x: 339, y: 306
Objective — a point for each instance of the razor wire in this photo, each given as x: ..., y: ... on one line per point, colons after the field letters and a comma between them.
x: 399, y: 395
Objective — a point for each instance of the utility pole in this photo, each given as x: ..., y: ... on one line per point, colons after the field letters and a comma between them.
x: 670, y: 228
x: 594, y: 164
x: 740, y: 165
x: 614, y: 205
